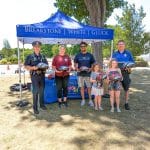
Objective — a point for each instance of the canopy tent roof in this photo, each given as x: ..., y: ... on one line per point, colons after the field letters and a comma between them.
x: 61, y: 29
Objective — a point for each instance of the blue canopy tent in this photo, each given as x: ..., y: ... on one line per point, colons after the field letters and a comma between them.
x: 60, y: 29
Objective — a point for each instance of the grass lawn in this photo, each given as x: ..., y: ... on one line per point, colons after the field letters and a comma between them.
x: 76, y: 128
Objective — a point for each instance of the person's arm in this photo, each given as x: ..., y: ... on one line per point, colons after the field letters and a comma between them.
x: 76, y: 67
x: 92, y: 62
x: 46, y: 60
x: 54, y: 65
x: 92, y: 79
x: 76, y: 63
x: 27, y: 64
x: 107, y: 79
x: 120, y: 74
x: 31, y: 68
x: 69, y: 64
x: 131, y: 58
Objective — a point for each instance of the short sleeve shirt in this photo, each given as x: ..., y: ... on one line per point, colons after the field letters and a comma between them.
x: 33, y: 59
x: 59, y: 61
x: 125, y: 56
x: 94, y: 76
x: 86, y: 59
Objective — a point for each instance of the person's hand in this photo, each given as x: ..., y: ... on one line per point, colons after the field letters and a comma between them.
x: 107, y: 81
x: 77, y: 69
x: 34, y: 68
x: 128, y: 70
x: 89, y: 70
x: 58, y: 71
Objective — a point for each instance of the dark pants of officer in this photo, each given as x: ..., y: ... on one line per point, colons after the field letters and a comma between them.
x: 62, y: 86
x: 126, y: 80
x: 38, y: 84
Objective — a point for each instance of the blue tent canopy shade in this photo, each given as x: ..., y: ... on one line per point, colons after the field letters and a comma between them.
x: 61, y: 29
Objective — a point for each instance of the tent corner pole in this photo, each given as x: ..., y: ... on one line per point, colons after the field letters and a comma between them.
x: 23, y: 61
x: 111, y: 52
x: 19, y: 68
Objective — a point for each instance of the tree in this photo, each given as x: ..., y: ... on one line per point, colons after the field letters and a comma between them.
x: 6, y: 50
x: 6, y: 44
x: 146, y: 42
x: 131, y: 23
x: 47, y: 50
x: 55, y: 49
x: 119, y: 34
x: 93, y: 12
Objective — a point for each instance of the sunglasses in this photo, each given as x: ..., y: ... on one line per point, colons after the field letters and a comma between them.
x: 82, y: 46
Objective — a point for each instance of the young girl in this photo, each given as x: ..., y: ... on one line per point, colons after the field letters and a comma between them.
x: 114, y: 78
x: 97, y: 86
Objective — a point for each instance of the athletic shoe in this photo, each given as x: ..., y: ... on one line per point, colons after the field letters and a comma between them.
x: 59, y: 104
x: 36, y: 111
x: 91, y: 103
x: 100, y: 108
x: 112, y: 109
x: 82, y: 102
x: 127, y: 106
x: 66, y: 103
x: 95, y: 108
x: 43, y: 107
x: 118, y: 110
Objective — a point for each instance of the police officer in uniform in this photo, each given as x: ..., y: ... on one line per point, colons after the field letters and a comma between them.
x: 37, y: 75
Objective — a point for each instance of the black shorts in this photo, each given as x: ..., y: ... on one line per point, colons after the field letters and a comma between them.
x: 126, y: 80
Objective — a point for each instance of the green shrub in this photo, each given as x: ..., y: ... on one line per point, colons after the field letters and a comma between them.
x: 3, y: 61
x: 141, y: 64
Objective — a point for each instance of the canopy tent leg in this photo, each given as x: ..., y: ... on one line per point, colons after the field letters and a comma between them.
x: 23, y: 61
x: 19, y: 67
x: 111, y: 52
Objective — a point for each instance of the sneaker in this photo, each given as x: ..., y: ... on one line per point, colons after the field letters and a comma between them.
x: 91, y: 103
x: 59, y: 104
x: 66, y: 103
x: 82, y: 102
x: 100, y: 108
x: 36, y: 111
x: 118, y: 110
x: 95, y: 108
x: 43, y: 107
x: 112, y: 109
x: 127, y: 106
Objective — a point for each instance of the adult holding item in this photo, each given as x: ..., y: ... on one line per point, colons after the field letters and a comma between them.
x: 62, y: 65
x: 37, y: 64
x: 83, y: 62
x: 124, y: 56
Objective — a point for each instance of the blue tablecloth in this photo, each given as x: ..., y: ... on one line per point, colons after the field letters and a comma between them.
x: 50, y: 94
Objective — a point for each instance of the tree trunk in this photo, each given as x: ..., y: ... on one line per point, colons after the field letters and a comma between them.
x: 96, y: 9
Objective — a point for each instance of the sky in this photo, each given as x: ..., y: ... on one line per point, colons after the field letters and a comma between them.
x: 13, y: 12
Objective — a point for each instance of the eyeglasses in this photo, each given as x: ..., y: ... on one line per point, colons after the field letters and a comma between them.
x: 82, y: 46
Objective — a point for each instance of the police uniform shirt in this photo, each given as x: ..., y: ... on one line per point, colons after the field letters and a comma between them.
x: 34, y: 60
x: 86, y: 59
x: 125, y: 56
